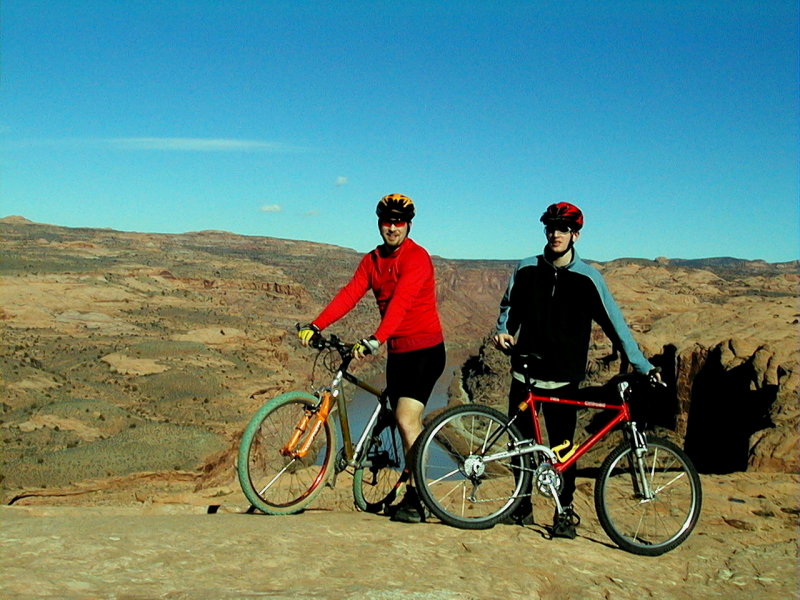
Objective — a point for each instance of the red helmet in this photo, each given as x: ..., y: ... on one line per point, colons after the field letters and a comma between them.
x: 563, y: 213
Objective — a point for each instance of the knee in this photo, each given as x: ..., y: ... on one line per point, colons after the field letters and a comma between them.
x: 408, y: 422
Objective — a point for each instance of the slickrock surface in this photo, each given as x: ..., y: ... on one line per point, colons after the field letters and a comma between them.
x: 743, y: 547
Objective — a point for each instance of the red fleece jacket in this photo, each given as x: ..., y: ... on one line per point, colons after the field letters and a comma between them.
x: 405, y: 290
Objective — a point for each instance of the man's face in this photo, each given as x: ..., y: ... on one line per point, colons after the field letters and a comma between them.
x: 560, y: 238
x: 393, y: 231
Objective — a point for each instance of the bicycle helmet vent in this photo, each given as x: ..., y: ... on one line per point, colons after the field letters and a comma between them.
x: 563, y: 213
x: 395, y: 206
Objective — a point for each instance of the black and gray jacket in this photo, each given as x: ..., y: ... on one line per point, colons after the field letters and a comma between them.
x: 550, y: 311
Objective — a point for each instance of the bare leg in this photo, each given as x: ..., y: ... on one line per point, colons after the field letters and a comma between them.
x: 409, y: 420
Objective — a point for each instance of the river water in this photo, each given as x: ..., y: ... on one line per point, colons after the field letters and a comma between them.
x: 361, y: 404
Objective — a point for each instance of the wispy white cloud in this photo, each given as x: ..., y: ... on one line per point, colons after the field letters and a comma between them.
x: 164, y: 144
x: 340, y: 181
x: 271, y: 208
x: 198, y: 145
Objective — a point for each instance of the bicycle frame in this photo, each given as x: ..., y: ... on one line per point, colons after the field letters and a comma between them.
x: 563, y: 463
x: 316, y: 418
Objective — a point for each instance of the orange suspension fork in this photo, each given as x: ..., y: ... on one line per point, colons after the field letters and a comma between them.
x: 319, y: 417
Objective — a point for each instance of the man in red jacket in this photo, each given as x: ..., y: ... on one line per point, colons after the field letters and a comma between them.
x: 400, y: 274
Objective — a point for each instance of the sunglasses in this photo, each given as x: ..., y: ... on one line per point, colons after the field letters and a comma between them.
x: 553, y: 229
x: 389, y: 222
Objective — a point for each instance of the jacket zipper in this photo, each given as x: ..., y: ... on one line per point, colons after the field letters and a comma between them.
x: 555, y: 280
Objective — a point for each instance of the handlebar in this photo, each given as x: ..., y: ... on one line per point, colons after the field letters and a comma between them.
x: 522, y: 362
x: 321, y: 342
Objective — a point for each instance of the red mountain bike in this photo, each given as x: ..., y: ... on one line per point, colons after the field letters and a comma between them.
x: 473, y: 468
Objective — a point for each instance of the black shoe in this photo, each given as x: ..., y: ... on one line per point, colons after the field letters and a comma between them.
x: 564, y: 524
x: 522, y: 515
x: 410, y: 509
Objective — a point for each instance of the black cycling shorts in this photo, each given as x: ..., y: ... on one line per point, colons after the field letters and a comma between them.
x: 413, y: 374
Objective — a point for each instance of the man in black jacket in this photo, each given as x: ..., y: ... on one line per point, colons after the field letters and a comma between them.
x: 547, y: 310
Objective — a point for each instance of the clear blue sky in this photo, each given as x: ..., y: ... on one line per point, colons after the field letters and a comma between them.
x: 672, y: 124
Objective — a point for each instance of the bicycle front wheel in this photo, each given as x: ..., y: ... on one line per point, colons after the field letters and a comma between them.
x: 379, y: 476
x: 274, y: 481
x: 655, y: 522
x: 456, y: 474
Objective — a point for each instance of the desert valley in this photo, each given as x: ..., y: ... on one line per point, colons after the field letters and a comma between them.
x: 130, y: 363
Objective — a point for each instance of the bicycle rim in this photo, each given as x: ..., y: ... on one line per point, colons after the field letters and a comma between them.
x: 378, y: 479
x: 455, y: 491
x: 278, y: 484
x: 648, y: 526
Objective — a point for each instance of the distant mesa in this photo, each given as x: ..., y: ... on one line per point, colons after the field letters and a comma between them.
x: 210, y: 232
x: 16, y: 220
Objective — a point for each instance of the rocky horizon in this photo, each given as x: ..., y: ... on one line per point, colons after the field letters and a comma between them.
x: 718, y: 262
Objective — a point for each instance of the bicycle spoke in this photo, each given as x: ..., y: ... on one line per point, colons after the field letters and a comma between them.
x: 443, y: 477
x: 277, y: 476
x: 669, y: 483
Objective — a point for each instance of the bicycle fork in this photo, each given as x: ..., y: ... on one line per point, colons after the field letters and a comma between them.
x: 316, y: 418
x: 641, y: 482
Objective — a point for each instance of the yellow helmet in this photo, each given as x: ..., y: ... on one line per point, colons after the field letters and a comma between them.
x: 395, y: 206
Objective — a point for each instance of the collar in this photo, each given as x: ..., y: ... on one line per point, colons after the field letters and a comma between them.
x: 569, y: 265
x: 380, y: 251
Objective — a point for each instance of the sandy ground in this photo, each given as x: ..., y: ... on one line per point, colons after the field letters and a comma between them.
x: 745, y: 546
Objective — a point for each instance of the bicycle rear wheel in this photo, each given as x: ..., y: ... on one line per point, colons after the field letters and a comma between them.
x: 379, y: 476
x: 273, y: 482
x: 453, y: 479
x: 648, y: 526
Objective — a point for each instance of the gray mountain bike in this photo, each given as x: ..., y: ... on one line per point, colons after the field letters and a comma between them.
x: 288, y: 451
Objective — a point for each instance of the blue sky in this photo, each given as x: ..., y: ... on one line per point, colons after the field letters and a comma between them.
x: 673, y: 125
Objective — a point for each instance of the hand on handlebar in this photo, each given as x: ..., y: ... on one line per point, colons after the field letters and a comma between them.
x: 503, y: 342
x: 654, y: 377
x: 364, y: 347
x: 307, y: 333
